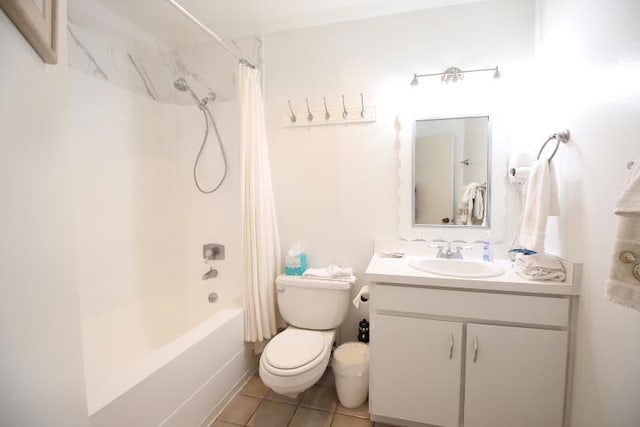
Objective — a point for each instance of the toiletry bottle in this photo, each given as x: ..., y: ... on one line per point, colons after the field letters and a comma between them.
x: 487, y: 249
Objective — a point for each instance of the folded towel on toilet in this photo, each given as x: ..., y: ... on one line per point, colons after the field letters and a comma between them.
x: 540, y: 267
x: 332, y: 272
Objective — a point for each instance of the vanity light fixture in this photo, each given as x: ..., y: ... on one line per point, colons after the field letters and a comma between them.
x: 453, y: 74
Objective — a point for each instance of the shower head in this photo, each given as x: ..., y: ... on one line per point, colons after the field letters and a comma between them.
x: 182, y: 85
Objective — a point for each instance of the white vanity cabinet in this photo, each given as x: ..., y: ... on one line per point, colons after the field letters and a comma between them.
x: 409, y: 354
x: 451, y: 356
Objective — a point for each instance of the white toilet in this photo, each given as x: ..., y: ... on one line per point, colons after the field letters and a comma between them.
x: 296, y: 358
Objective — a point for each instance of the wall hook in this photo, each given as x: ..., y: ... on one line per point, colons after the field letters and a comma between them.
x: 362, y: 104
x: 293, y: 117
x: 309, y: 115
x: 327, y: 116
x: 344, y: 109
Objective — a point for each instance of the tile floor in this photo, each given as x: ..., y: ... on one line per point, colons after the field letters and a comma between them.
x: 258, y: 406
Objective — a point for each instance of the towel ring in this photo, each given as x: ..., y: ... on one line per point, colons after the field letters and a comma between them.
x: 562, y: 136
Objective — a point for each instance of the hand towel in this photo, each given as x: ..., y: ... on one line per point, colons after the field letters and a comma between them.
x: 541, y: 201
x: 478, y: 205
x: 540, y: 267
x: 623, y: 283
x: 629, y: 201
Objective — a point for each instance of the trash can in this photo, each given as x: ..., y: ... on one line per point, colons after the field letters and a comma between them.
x: 351, y: 368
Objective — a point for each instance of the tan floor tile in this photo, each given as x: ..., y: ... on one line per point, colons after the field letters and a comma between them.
x: 320, y: 397
x: 306, y: 417
x: 272, y: 414
x: 272, y: 395
x: 384, y: 425
x: 217, y: 423
x: 327, y: 378
x: 361, y: 411
x: 239, y: 410
x: 347, y: 421
x: 255, y: 387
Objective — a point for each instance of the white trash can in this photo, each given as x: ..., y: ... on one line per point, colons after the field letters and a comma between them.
x: 351, y: 368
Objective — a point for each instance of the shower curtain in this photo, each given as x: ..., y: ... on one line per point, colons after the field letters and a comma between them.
x: 261, y: 244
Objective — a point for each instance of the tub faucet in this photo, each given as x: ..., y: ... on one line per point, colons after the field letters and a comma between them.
x: 210, y: 274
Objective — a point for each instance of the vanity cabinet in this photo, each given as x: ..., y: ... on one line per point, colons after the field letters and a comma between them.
x: 455, y: 357
x: 417, y: 369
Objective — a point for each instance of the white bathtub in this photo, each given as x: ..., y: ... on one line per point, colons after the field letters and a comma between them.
x: 184, y: 381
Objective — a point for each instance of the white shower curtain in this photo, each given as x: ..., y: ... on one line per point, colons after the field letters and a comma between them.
x: 261, y: 244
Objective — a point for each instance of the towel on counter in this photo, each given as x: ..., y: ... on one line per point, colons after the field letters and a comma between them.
x: 332, y: 272
x: 540, y: 202
x: 540, y: 267
x: 391, y: 254
x: 623, y: 283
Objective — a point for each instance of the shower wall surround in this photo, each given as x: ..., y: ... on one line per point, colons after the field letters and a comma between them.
x: 108, y: 47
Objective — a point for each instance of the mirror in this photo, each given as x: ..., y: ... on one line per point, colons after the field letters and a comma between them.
x: 451, y: 172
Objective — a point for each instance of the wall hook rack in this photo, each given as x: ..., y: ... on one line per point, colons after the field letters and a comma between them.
x: 343, y: 115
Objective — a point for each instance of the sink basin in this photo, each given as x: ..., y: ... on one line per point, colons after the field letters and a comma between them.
x: 456, y: 267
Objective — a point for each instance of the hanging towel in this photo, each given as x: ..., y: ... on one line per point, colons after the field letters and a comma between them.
x: 540, y: 267
x: 471, y: 210
x: 629, y: 201
x: 623, y: 284
x: 540, y: 202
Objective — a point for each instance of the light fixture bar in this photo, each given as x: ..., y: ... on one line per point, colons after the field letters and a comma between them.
x: 454, y: 74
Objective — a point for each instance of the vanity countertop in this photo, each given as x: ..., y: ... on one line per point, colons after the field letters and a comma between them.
x: 398, y: 271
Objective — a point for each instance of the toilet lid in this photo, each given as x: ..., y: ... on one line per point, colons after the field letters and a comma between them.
x: 294, y: 348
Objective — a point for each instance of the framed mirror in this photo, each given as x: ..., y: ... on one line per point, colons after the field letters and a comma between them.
x: 450, y: 172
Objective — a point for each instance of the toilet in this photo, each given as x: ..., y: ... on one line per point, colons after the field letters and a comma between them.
x: 296, y: 358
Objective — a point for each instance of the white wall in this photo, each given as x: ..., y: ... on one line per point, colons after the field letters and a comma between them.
x: 336, y: 186
x: 589, y: 63
x: 41, y: 357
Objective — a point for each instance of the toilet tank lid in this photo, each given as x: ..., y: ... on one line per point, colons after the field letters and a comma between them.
x: 304, y: 282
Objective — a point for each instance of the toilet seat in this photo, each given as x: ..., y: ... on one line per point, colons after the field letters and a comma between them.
x: 294, y: 351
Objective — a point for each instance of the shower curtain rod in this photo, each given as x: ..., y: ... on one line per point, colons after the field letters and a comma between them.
x: 210, y: 33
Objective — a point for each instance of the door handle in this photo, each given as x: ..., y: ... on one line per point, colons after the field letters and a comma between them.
x: 451, y: 346
x: 475, y: 349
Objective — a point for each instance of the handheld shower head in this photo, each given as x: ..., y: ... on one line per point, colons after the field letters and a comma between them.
x: 182, y: 85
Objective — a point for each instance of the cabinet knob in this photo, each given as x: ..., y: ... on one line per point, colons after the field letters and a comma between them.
x: 475, y: 349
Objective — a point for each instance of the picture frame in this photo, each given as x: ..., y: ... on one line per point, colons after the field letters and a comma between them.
x: 37, y: 20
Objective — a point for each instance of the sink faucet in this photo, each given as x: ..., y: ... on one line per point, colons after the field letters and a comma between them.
x: 450, y: 253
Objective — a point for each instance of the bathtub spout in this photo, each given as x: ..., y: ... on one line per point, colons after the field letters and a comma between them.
x: 210, y: 274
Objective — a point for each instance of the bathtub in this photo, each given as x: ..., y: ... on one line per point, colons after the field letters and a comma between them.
x: 179, y: 373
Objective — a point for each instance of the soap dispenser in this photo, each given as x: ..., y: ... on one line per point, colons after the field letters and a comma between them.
x: 487, y: 248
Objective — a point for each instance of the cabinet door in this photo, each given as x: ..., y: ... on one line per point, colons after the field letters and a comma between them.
x: 415, y: 369
x: 515, y: 377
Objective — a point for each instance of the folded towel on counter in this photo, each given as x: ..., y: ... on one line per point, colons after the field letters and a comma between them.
x: 540, y: 267
x: 629, y: 201
x: 540, y: 202
x: 391, y: 254
x: 332, y: 272
x: 623, y: 283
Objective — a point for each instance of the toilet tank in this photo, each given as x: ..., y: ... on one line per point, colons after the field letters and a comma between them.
x: 312, y: 303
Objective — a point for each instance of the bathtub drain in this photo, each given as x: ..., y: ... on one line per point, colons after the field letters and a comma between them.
x: 213, y: 297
